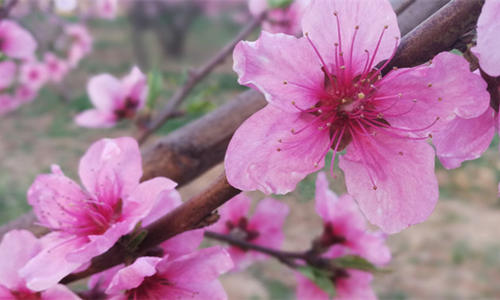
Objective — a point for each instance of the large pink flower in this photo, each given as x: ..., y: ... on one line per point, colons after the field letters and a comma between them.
x: 16, y: 249
x: 87, y: 223
x: 15, y: 41
x: 263, y: 228
x: 285, y: 20
x: 324, y: 93
x: 192, y: 276
x: 345, y: 232
x: 114, y: 99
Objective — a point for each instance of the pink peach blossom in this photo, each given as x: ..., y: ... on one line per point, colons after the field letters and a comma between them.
x: 114, y: 99
x: 25, y: 93
x: 325, y: 93
x: 81, y: 43
x: 286, y: 20
x: 88, y: 222
x: 192, y: 276
x: 107, y: 9
x: 15, y: 41
x: 56, y: 67
x: 33, y: 74
x: 263, y: 228
x: 16, y: 249
x: 345, y: 232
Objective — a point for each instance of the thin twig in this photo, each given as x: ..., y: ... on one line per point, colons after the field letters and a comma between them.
x: 286, y: 257
x: 196, y: 77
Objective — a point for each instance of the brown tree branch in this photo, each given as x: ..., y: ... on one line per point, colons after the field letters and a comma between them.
x: 196, y: 76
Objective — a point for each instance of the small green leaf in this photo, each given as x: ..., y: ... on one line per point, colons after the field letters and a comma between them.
x: 279, y: 3
x: 155, y: 84
x: 353, y: 262
x: 321, y: 278
x: 457, y: 52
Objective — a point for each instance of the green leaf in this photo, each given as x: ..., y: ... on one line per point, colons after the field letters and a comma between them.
x: 457, y: 52
x: 279, y: 3
x: 321, y: 278
x: 353, y: 262
x: 155, y: 84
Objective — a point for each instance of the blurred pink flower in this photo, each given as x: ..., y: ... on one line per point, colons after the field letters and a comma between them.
x: 7, y: 73
x: 33, y: 74
x: 8, y: 103
x: 81, y: 43
x: 345, y: 233
x: 56, y: 67
x: 285, y: 20
x: 264, y: 228
x: 107, y: 9
x: 192, y: 276
x: 16, y: 249
x: 24, y: 93
x: 87, y: 223
x: 488, y: 43
x: 114, y: 99
x: 324, y: 93
x: 15, y: 41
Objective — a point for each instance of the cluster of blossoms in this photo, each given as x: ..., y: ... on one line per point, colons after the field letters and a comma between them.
x: 326, y: 90
x: 88, y: 222
x: 23, y: 74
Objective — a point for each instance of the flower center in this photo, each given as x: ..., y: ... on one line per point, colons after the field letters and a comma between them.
x: 241, y: 230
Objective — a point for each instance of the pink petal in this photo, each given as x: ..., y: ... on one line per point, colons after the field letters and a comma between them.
x: 56, y: 200
x: 50, y: 265
x: 115, y: 160
x: 444, y: 89
x: 7, y: 73
x: 135, y: 86
x: 166, y: 202
x: 268, y: 220
x: 16, y: 249
x: 356, y: 286
x: 307, y: 290
x: 59, y: 292
x: 464, y: 139
x: 132, y: 276
x: 488, y: 29
x: 147, y: 195
x: 105, y: 92
x: 407, y: 188
x: 201, y: 266
x: 284, y: 68
x: 102, y: 280
x: 94, y: 118
x: 183, y: 243
x: 371, y: 16
x: 253, y: 160
x: 5, y: 294
x: 342, y: 212
x: 17, y: 42
x: 372, y: 246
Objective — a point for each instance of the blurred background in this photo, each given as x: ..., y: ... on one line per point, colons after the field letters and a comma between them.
x: 454, y: 255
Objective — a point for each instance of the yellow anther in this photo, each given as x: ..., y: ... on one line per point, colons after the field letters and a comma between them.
x: 356, y: 27
x: 386, y: 26
x: 440, y: 99
x: 429, y: 85
x: 285, y: 82
x: 361, y: 96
